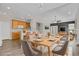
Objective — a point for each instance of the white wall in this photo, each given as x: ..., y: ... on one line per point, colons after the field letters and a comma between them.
x: 77, y: 25
x: 0, y: 34
x: 77, y: 28
x: 75, y: 47
x: 5, y: 30
x: 40, y: 20
x: 33, y: 23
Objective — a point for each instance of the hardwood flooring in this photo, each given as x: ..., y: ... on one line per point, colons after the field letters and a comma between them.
x: 11, y: 48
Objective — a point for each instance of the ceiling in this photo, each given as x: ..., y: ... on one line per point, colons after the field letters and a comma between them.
x: 44, y: 10
x: 24, y: 10
x: 66, y: 12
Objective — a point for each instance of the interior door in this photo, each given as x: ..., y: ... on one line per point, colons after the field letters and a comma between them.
x: 39, y: 27
x: 54, y: 30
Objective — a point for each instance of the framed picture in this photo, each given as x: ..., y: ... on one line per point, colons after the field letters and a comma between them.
x: 46, y: 27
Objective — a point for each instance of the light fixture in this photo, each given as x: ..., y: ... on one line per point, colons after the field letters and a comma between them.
x: 8, y: 8
x: 58, y: 22
x: 41, y: 5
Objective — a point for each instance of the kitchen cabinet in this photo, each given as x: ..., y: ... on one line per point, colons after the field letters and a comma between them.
x: 16, y: 23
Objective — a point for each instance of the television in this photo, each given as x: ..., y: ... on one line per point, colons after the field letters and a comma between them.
x: 46, y: 27
x: 62, y: 29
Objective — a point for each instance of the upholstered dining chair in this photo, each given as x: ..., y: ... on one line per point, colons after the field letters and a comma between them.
x: 60, y: 50
x: 64, y: 38
x: 29, y: 51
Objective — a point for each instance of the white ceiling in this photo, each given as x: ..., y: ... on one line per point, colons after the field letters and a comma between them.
x: 44, y: 10
x: 64, y: 13
x: 23, y: 10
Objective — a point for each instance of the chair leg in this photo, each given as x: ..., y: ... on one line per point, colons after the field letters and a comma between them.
x: 54, y: 54
x: 66, y: 53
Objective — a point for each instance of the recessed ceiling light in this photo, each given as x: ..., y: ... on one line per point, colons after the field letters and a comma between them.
x: 8, y: 7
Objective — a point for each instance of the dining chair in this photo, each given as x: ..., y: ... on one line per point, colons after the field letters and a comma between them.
x: 64, y: 38
x: 29, y: 51
x: 60, y: 50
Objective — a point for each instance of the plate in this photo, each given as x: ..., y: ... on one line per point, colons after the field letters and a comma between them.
x: 38, y: 40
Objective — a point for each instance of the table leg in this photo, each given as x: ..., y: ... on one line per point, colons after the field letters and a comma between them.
x: 49, y: 51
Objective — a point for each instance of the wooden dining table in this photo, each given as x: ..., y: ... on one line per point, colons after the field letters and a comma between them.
x: 47, y: 42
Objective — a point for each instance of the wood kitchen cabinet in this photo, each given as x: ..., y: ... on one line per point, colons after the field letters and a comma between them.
x: 16, y: 23
x: 16, y: 35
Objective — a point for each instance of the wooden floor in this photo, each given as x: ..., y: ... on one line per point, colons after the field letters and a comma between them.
x: 11, y: 48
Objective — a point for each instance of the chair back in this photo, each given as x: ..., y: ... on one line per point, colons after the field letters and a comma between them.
x: 26, y: 48
x: 63, y: 49
x: 64, y: 38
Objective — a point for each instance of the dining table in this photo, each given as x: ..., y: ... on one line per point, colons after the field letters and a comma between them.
x: 47, y: 42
